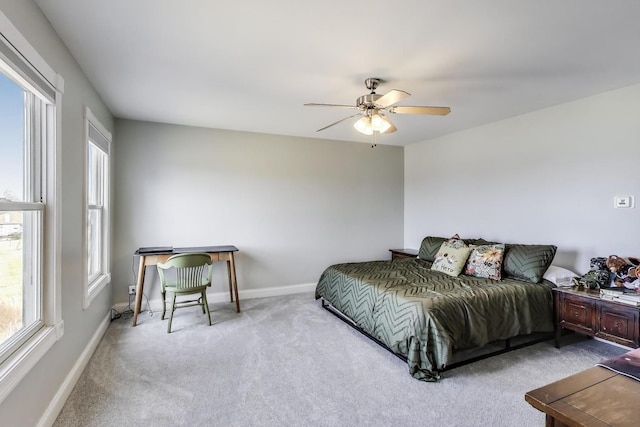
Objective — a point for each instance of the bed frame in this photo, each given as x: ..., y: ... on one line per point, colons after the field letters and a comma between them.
x: 461, y: 357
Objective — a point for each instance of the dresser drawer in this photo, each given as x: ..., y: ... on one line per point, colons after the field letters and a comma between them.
x: 578, y: 314
x: 619, y: 324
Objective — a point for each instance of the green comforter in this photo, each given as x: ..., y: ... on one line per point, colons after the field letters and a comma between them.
x: 425, y: 315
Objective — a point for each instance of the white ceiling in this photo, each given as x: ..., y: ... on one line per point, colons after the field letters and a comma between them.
x: 250, y: 65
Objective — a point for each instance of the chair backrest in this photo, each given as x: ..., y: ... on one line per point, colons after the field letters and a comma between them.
x: 189, y: 268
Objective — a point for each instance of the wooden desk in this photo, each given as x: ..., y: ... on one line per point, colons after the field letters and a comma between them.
x: 217, y: 253
x: 595, y: 397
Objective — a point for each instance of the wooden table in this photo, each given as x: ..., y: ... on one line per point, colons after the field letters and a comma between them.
x: 596, y: 397
x: 217, y: 253
x: 403, y: 253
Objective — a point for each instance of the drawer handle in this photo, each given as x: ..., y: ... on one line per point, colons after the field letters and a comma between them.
x: 617, y: 324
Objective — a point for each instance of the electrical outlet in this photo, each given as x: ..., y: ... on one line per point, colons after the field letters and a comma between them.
x: 132, y: 290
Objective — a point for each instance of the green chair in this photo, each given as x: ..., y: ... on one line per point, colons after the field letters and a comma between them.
x: 191, y: 277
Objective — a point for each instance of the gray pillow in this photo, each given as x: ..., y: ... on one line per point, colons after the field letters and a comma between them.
x: 528, y: 262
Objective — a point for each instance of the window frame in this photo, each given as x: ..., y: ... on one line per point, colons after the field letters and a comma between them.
x: 96, y: 135
x: 22, y: 63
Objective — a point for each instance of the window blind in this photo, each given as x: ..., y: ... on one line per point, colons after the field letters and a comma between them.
x: 9, y: 54
x: 95, y: 136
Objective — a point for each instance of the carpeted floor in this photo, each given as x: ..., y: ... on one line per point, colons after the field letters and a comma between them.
x: 286, y: 362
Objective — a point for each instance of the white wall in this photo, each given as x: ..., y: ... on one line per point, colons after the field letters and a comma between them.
x: 31, y: 397
x: 292, y: 206
x: 545, y: 177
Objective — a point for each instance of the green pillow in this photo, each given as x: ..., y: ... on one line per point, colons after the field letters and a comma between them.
x: 451, y: 257
x: 479, y: 242
x: 528, y: 262
x: 429, y: 247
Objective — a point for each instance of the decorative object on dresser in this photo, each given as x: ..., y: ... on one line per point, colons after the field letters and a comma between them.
x: 428, y: 314
x: 612, y: 272
x: 584, y: 311
x: 621, y: 296
x: 403, y: 253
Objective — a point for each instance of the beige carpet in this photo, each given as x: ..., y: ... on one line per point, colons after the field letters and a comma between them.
x: 286, y: 362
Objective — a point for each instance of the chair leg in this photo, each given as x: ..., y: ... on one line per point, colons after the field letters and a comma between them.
x: 164, y: 304
x: 206, y: 305
x: 173, y: 308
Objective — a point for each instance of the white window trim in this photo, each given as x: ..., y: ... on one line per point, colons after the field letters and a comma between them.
x: 19, y: 364
x: 91, y: 289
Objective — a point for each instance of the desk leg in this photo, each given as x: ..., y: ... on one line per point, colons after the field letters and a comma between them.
x: 229, y: 280
x: 139, y: 287
x: 232, y: 271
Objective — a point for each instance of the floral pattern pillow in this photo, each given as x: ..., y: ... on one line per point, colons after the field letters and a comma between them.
x: 485, y: 261
x: 451, y: 257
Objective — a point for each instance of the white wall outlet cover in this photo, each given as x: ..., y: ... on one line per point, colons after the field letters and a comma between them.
x: 623, y: 201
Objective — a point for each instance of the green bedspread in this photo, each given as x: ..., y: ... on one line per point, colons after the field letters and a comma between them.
x: 425, y: 315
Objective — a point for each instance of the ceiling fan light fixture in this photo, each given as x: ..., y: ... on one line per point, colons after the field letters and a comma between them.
x: 364, y: 125
x: 380, y: 123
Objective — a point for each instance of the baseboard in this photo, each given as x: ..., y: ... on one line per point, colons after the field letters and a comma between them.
x: 58, y: 401
x: 217, y: 297
x: 612, y: 343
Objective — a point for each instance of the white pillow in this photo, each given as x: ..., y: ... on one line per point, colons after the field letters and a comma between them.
x: 559, y: 276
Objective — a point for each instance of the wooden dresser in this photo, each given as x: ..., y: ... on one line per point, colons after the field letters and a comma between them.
x: 582, y: 310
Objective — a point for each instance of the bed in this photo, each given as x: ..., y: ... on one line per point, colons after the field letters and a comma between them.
x: 426, y: 316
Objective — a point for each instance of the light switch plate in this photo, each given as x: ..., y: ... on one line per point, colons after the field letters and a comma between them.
x: 623, y: 201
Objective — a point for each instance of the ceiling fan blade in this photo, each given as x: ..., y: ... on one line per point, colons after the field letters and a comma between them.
x: 339, y: 121
x: 391, y: 97
x: 312, y: 104
x: 391, y: 129
x: 436, y: 111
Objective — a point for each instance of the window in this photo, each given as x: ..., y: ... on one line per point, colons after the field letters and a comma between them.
x: 30, y: 305
x: 97, y: 202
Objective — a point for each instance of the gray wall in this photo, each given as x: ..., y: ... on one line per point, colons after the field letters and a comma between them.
x: 26, y: 404
x: 545, y: 177
x: 292, y: 206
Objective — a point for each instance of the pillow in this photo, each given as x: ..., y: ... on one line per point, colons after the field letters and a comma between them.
x: 528, y: 262
x: 451, y: 257
x: 485, y: 261
x: 429, y: 247
x: 559, y: 276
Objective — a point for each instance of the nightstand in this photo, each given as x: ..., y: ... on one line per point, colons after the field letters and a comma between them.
x: 583, y: 311
x: 403, y: 253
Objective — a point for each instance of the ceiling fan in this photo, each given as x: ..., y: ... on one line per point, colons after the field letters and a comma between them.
x: 372, y: 105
